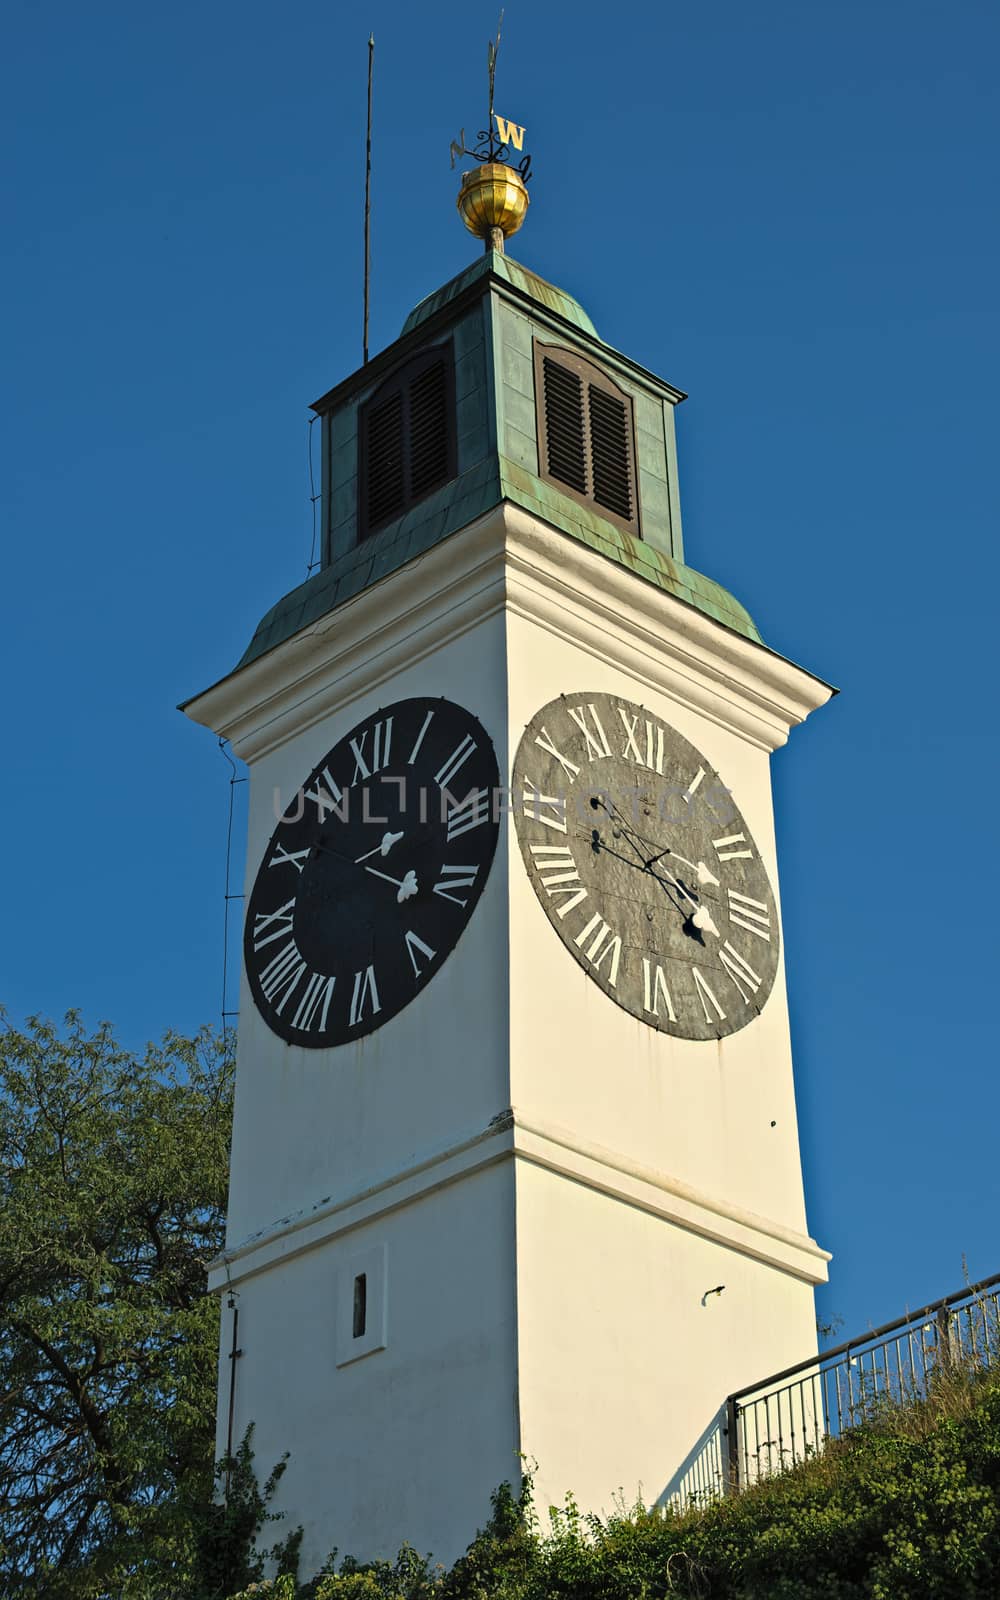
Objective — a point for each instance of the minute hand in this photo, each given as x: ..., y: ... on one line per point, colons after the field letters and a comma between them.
x: 698, y: 867
x: 703, y: 874
x: 701, y: 917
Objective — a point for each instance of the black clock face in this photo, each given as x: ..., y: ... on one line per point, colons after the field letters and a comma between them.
x: 372, y: 873
x: 644, y: 865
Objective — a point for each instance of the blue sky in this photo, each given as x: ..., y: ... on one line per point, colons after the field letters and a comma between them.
x: 786, y: 210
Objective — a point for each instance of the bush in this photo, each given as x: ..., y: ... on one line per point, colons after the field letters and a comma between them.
x: 905, y: 1508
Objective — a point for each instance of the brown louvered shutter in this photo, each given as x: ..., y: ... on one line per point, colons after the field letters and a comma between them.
x: 428, y: 431
x: 585, y: 434
x: 610, y: 452
x: 406, y: 436
x: 564, y: 435
x: 384, y: 481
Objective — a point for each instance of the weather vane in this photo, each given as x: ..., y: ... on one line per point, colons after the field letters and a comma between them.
x: 493, y: 200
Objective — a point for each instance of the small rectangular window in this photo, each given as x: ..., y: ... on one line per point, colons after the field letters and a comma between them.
x: 360, y: 1305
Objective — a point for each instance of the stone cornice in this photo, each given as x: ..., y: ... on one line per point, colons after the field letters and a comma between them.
x: 657, y: 637
x: 509, y: 559
x: 510, y: 1137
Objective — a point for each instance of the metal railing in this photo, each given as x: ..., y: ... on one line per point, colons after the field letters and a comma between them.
x: 789, y: 1416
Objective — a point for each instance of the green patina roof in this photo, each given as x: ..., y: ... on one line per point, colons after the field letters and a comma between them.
x: 655, y: 566
x: 496, y: 454
x: 503, y: 266
x: 386, y: 553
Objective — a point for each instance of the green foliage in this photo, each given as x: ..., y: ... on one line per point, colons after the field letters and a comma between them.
x: 112, y: 1189
x: 227, y: 1529
x: 905, y: 1508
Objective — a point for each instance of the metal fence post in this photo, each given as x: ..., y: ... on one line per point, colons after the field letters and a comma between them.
x: 732, y: 1446
x: 943, y: 1320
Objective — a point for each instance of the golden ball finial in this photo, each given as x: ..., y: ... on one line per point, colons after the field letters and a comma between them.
x: 492, y: 202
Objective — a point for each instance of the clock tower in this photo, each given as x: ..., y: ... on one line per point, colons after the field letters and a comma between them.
x: 515, y: 1167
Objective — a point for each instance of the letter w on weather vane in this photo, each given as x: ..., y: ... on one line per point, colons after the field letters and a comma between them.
x: 501, y: 137
x: 495, y: 146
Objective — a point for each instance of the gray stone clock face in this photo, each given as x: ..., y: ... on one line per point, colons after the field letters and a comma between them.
x: 644, y: 865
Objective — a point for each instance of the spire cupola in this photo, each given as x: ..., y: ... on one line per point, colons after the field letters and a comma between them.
x: 498, y: 390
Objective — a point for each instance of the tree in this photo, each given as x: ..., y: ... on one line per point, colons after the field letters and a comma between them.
x: 112, y: 1190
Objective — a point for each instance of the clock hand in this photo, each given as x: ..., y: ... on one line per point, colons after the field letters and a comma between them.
x: 407, y: 886
x: 705, y: 876
x: 388, y: 840
x: 701, y: 917
x: 702, y: 920
x: 633, y: 833
x: 699, y: 867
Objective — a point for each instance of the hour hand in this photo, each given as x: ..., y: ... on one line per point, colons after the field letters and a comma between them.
x: 701, y: 917
x: 702, y: 920
x: 406, y: 887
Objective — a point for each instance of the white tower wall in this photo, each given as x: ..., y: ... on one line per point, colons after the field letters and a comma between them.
x: 549, y: 1187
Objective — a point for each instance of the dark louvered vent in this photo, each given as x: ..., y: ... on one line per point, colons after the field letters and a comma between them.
x: 610, y: 452
x: 585, y: 434
x: 406, y: 439
x: 564, y: 435
x: 384, y: 463
x: 428, y: 431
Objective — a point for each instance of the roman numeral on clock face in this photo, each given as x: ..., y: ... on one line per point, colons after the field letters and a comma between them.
x: 604, y: 946
x: 326, y: 795
x: 569, y: 767
x: 369, y: 758
x: 415, y: 946
x: 314, y: 1003
x: 646, y: 748
x: 751, y: 914
x: 740, y: 970
x: 281, y: 975
x: 452, y: 878
x: 459, y: 756
x: 654, y: 989
x: 592, y: 730
x: 549, y: 809
x: 728, y: 848
x: 295, y: 858
x: 689, y: 792
x: 365, y: 994
x: 271, y: 925
x: 474, y: 811
x: 411, y: 758
x: 707, y: 998
x: 559, y: 876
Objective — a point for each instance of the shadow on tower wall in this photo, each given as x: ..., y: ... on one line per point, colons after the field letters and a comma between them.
x: 701, y: 1476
